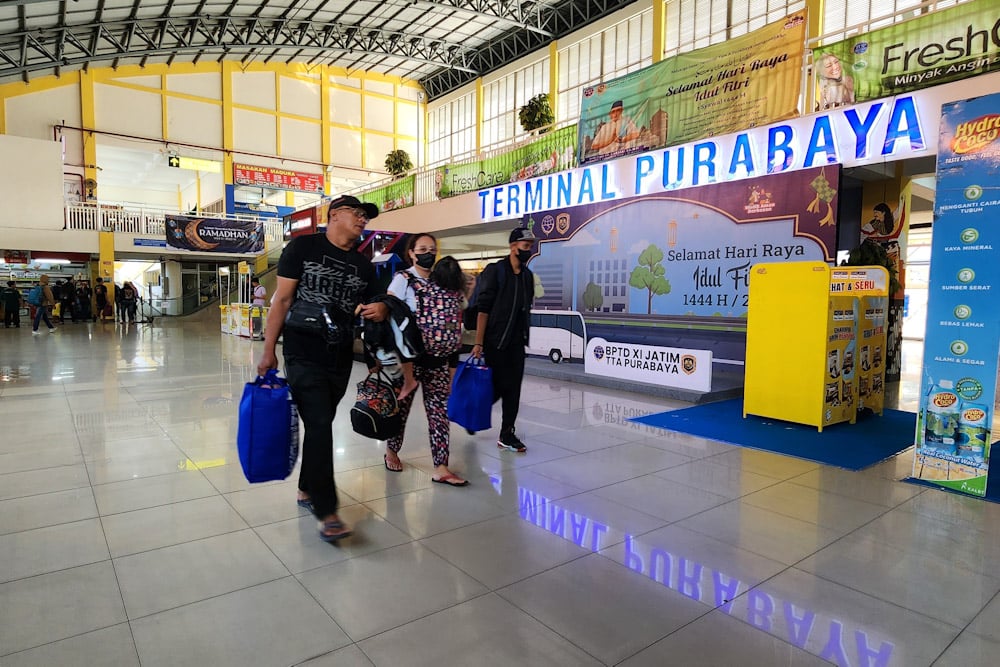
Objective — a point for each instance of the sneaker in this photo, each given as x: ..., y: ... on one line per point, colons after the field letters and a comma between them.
x: 36, y: 333
x: 52, y: 330
x: 511, y: 442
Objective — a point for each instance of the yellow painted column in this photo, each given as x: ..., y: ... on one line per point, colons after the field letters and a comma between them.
x: 659, y: 29
x: 197, y: 191
x: 814, y: 26
x: 106, y: 258
x: 228, y: 68
x: 88, y: 118
x: 364, y: 135
x: 277, y: 113
x: 326, y: 151
x: 554, y: 75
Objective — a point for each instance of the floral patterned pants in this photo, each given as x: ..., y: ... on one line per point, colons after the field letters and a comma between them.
x: 435, y: 385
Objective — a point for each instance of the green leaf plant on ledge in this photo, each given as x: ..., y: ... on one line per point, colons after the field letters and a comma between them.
x: 536, y: 114
x: 397, y: 162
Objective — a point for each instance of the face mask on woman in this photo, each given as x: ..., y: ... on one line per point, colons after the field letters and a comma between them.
x: 425, y: 260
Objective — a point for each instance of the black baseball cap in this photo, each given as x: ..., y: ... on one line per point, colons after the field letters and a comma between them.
x: 521, y: 234
x: 347, y: 201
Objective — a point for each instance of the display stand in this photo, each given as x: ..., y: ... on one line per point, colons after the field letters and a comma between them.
x: 815, y: 342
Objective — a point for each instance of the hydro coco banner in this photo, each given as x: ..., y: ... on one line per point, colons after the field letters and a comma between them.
x: 939, y: 47
x: 551, y: 152
x: 741, y: 83
x: 958, y: 394
x: 394, y: 195
x: 214, y: 234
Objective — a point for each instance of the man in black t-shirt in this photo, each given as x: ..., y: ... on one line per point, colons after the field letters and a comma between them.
x: 323, y: 269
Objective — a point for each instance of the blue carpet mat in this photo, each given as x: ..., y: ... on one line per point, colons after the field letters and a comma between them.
x: 850, y: 446
x: 992, y: 485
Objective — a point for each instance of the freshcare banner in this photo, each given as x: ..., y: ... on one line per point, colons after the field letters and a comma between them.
x: 389, y: 197
x: 939, y: 47
x: 958, y: 394
x: 743, y: 82
x: 551, y: 152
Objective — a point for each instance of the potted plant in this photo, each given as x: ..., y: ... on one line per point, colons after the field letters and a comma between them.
x: 536, y: 114
x: 398, y: 162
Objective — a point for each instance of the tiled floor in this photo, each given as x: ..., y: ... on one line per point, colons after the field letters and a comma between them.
x: 128, y: 534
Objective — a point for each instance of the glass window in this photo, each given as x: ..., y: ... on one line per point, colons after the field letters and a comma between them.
x: 693, y: 24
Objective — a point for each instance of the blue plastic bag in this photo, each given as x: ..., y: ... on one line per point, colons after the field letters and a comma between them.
x: 471, y: 399
x: 268, y: 434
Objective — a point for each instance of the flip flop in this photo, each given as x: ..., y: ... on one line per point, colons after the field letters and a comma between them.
x: 333, y: 525
x: 305, y: 503
x: 447, y: 480
x: 385, y: 459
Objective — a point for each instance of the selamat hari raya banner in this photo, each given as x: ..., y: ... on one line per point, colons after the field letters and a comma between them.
x: 214, y: 234
x: 550, y: 152
x: 940, y: 47
x: 742, y: 83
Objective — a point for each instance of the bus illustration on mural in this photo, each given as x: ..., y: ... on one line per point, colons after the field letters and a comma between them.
x: 557, y: 334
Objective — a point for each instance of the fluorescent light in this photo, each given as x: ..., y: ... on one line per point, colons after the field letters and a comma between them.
x: 52, y: 261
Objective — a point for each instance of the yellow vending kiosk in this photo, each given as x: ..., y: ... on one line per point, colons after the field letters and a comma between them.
x: 815, y: 342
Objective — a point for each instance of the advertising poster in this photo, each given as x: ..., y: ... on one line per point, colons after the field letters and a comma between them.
x: 743, y: 82
x: 869, y: 285
x: 958, y: 389
x: 551, y: 152
x: 277, y: 179
x: 688, y: 252
x: 938, y: 47
x: 841, y: 387
x: 394, y: 195
x: 214, y: 234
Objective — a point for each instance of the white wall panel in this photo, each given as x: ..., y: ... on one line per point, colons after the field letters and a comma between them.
x: 345, y: 147
x: 127, y: 111
x: 301, y: 139
x: 150, y: 81
x: 376, y: 148
x: 34, y: 114
x: 406, y: 118
x: 349, y: 82
x: 31, y: 185
x: 378, y: 114
x: 408, y: 145
x: 194, y: 122
x: 345, y: 107
x: 408, y: 93
x: 254, y: 89
x: 254, y: 132
x: 212, y: 188
x: 380, y: 87
x: 138, y: 195
x: 207, y: 85
x: 300, y: 97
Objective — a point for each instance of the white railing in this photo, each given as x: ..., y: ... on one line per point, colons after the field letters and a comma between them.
x: 148, y: 220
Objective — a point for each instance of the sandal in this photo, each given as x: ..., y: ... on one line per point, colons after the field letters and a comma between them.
x: 385, y: 458
x: 450, y: 480
x: 305, y: 503
x: 340, y: 531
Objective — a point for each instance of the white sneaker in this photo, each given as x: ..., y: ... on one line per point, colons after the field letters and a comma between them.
x: 52, y: 330
x: 36, y: 333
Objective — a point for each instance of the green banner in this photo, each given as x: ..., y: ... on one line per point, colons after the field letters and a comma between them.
x: 743, y: 82
x: 551, y: 152
x: 940, y: 47
x: 398, y: 194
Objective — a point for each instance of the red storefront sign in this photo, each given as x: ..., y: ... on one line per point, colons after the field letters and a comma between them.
x: 277, y: 179
x: 15, y: 256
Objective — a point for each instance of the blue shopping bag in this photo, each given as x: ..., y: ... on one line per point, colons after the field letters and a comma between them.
x: 471, y: 399
x: 268, y: 434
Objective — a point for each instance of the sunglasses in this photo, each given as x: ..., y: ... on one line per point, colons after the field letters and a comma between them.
x: 358, y: 212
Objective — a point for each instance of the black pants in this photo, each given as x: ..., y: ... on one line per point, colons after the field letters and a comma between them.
x: 12, y: 317
x: 508, y: 371
x: 317, y: 390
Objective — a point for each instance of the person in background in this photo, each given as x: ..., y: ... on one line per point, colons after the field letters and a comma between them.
x: 67, y: 300
x: 836, y: 89
x: 259, y: 292
x: 324, y: 269
x: 617, y: 133
x: 502, y: 328
x: 12, y: 302
x: 130, y: 297
x: 100, y: 298
x: 42, y: 311
x: 83, y: 300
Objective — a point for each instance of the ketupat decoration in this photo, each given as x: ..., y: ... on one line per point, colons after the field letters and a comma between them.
x: 823, y: 193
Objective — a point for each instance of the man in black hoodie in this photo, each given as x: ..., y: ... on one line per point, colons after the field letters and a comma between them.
x: 502, y: 326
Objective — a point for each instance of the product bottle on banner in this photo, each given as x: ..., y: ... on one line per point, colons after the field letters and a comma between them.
x: 973, y: 432
x: 941, y: 417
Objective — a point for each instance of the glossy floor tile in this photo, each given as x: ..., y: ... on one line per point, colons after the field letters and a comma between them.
x: 129, y: 535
